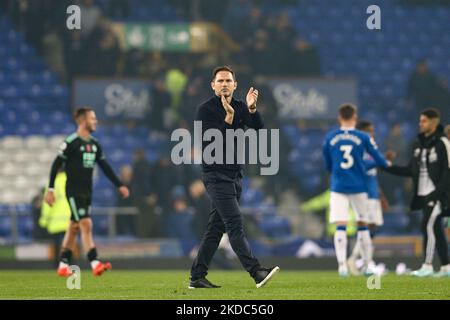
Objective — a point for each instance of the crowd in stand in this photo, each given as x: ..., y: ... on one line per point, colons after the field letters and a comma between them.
x: 269, y: 46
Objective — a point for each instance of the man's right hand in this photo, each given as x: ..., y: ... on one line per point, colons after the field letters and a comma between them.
x: 124, y: 192
x: 390, y: 155
x: 228, y: 109
x: 227, y: 106
x: 50, y: 197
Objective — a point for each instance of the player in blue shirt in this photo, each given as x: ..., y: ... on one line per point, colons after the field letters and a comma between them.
x: 374, y: 203
x: 343, y: 151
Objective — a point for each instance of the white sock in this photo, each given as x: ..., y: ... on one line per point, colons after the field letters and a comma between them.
x: 62, y: 265
x: 340, y: 245
x: 427, y: 266
x: 94, y: 263
x: 356, y: 250
x: 365, y: 243
x: 372, y: 250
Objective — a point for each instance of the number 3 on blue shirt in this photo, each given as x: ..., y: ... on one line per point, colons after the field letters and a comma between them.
x: 348, y: 158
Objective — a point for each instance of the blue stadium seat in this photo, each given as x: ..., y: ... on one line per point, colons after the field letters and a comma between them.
x: 275, y: 226
x: 394, y: 224
x: 25, y: 226
x: 252, y: 197
x: 100, y: 224
x: 5, y: 226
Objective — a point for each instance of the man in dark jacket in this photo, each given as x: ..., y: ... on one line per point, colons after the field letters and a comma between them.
x: 223, y: 180
x: 429, y: 168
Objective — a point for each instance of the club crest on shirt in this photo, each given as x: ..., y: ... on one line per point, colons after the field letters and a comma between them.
x: 62, y: 147
x: 433, y: 155
x: 417, y: 152
x: 88, y: 148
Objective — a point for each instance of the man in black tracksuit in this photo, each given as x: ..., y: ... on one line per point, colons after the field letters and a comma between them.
x: 430, y: 169
x: 223, y: 181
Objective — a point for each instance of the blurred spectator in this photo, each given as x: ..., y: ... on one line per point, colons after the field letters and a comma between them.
x: 191, y: 95
x: 56, y: 218
x: 104, y: 50
x: 175, y: 81
x: 90, y: 13
x: 119, y: 9
x: 34, y: 28
x: 74, y: 53
x: 281, y: 36
x: 39, y: 233
x: 305, y: 60
x: 210, y: 10
x: 260, y: 58
x: 234, y: 17
x: 200, y: 10
x: 396, y: 142
x: 147, y: 222
x: 156, y: 65
x: 135, y: 63
x: 125, y: 224
x: 180, y: 217
x: 182, y: 8
x: 164, y: 177
x: 141, y: 175
x: 247, y: 27
x: 161, y: 102
x: 53, y: 51
x: 424, y: 88
x: 202, y: 207
x: 109, y: 53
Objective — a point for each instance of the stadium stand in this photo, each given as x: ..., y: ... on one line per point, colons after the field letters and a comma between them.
x: 36, y: 105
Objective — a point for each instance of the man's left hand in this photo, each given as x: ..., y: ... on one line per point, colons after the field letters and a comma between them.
x: 124, y: 192
x: 252, y: 98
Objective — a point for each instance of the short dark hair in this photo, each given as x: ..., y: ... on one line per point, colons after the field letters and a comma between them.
x: 81, y: 112
x: 347, y: 111
x: 363, y: 125
x: 222, y: 68
x: 431, y: 113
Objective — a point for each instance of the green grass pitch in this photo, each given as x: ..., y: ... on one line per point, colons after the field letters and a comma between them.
x: 172, y: 285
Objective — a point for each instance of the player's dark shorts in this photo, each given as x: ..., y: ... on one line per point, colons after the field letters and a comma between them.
x: 80, y: 206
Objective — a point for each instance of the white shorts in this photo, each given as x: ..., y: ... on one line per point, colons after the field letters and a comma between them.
x: 340, y: 205
x: 375, y: 215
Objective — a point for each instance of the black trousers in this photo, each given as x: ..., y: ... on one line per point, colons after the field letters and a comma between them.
x: 434, y: 234
x: 225, y: 192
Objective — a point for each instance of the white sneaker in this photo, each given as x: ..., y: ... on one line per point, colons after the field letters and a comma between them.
x: 343, y: 271
x: 425, y: 271
x: 381, y: 270
x: 370, y: 269
x: 402, y: 269
x: 444, y: 272
x: 351, y: 262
